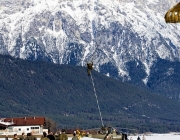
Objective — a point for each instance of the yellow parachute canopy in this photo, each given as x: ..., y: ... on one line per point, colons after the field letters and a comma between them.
x: 173, y: 15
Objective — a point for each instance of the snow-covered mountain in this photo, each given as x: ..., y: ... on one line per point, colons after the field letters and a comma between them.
x: 65, y: 32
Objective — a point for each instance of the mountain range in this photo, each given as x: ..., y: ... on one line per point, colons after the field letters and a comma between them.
x: 65, y: 94
x: 125, y: 39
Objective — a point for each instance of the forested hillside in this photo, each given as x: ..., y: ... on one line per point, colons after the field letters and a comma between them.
x: 65, y: 94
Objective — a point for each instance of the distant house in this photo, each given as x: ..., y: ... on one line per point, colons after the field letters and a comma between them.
x: 10, y: 126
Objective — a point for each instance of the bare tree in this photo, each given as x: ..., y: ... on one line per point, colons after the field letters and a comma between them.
x: 50, y: 125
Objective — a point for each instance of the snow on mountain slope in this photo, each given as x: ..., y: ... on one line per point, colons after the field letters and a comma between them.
x: 64, y: 32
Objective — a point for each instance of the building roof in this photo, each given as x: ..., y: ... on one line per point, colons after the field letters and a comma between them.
x: 23, y: 121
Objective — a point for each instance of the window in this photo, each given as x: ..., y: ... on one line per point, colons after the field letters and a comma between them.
x: 34, y: 127
x: 28, y: 129
x: 19, y: 129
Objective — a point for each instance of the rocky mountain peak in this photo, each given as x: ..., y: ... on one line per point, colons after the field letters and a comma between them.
x: 114, y: 33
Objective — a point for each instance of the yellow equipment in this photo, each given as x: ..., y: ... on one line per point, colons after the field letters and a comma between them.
x: 80, y: 134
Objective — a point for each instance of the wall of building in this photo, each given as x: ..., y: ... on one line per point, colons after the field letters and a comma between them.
x: 36, y: 129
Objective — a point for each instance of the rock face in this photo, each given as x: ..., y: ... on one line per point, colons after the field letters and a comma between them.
x: 125, y: 38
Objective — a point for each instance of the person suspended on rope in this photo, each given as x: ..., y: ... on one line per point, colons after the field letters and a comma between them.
x: 89, y: 68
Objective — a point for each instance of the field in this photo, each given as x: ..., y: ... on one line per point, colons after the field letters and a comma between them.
x: 170, y: 136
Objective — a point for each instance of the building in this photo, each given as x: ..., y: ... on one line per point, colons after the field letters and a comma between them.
x: 10, y: 126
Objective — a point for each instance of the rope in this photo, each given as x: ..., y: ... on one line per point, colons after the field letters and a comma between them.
x: 94, y: 51
x: 97, y: 100
x: 96, y: 46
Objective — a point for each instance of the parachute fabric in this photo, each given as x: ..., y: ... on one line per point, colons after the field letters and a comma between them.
x: 173, y: 14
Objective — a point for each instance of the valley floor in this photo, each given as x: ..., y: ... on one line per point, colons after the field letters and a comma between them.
x: 170, y: 136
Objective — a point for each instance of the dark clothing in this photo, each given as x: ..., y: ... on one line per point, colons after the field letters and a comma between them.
x: 15, y: 139
x: 124, y: 136
x: 89, y: 68
x: 108, y: 137
x: 75, y: 138
x: 138, y: 138
x: 63, y: 136
x: 31, y: 138
x: 51, y: 137
x: 26, y: 138
x: 21, y: 137
x: 44, y: 138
